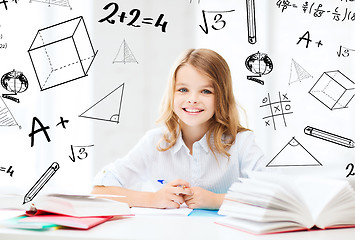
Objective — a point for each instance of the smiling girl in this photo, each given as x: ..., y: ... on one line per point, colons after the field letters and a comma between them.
x: 201, y: 150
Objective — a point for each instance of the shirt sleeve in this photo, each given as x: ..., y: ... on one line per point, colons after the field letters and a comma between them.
x: 251, y: 157
x: 131, y: 170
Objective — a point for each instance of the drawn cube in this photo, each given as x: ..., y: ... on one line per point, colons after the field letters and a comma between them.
x: 333, y: 89
x: 61, y: 53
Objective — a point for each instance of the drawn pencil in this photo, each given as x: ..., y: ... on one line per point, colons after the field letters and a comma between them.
x: 330, y: 137
x: 41, y: 182
x: 251, y: 21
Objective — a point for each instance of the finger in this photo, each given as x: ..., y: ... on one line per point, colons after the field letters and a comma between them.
x: 177, y: 198
x: 179, y: 182
x: 187, y: 197
x: 182, y: 190
x: 173, y: 204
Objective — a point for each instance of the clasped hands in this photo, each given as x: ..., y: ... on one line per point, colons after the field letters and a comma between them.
x: 178, y: 191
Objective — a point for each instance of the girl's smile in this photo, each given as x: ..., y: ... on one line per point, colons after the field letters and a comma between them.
x: 194, y: 99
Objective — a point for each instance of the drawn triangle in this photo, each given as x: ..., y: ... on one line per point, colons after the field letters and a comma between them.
x: 293, y: 154
x: 108, y: 108
x: 124, y: 54
x: 6, y: 117
x: 297, y: 73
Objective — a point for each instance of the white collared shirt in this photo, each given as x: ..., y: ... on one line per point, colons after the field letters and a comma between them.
x: 144, y: 165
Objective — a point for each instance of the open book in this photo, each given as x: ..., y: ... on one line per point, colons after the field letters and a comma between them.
x: 66, y: 204
x: 270, y: 203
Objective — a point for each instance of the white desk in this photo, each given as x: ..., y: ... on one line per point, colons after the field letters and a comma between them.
x: 168, y: 228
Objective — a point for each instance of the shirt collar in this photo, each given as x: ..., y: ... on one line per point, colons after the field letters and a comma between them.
x: 180, y: 143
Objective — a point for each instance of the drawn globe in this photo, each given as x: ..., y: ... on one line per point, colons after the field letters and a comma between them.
x: 259, y: 63
x: 14, y: 81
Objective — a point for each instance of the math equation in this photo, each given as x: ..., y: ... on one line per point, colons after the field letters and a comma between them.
x: 318, y: 10
x: 132, y: 18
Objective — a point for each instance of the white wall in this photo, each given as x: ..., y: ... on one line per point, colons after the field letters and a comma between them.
x: 277, y: 35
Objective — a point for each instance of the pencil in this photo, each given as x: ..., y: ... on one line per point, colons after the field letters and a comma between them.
x: 41, y: 182
x: 330, y: 137
x: 251, y: 21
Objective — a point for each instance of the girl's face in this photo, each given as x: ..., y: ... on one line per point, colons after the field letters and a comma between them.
x: 194, y: 98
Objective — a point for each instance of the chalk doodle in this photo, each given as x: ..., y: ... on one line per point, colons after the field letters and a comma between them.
x: 3, y: 45
x: 344, y: 51
x: 47, y: 175
x: 259, y: 64
x: 43, y: 129
x: 317, y: 10
x: 6, y: 117
x: 135, y: 14
x: 351, y: 169
x: 334, y: 90
x: 277, y: 110
x: 218, y: 24
x: 251, y: 23
x: 306, y: 37
x: 329, y: 137
x: 124, y: 54
x: 297, y: 73
x: 61, y: 53
x: 293, y: 154
x: 14, y: 82
x: 62, y: 3
x: 198, y: 1
x: 79, y: 152
x: 9, y: 170
x: 108, y: 108
x: 6, y: 1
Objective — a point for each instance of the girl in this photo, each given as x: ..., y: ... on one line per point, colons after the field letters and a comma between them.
x: 201, y: 150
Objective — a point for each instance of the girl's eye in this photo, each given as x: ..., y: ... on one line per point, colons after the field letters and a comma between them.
x: 206, y: 91
x: 182, y: 90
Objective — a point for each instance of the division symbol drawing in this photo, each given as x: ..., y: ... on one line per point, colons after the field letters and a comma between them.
x: 259, y: 64
x: 6, y: 117
x: 334, y: 90
x: 14, y: 82
x: 61, y: 53
x: 124, y: 54
x: 108, y: 108
x: 62, y: 3
x: 297, y: 73
x: 293, y: 154
x: 277, y: 109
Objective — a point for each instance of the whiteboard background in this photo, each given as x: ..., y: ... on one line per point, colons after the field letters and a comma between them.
x: 277, y: 35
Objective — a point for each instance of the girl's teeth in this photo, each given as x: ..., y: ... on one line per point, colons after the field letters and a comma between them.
x: 192, y: 110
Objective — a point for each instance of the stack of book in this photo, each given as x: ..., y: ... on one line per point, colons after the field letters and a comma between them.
x: 63, y: 210
x: 271, y: 203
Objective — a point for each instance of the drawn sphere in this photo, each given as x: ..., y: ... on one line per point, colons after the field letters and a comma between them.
x: 259, y: 63
x: 14, y: 81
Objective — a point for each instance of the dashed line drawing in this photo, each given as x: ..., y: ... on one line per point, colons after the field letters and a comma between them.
x: 293, y: 154
x: 14, y: 82
x: 124, y: 54
x: 251, y: 23
x: 62, y: 3
x: 108, y: 108
x: 6, y: 117
x: 297, y: 73
x: 259, y: 64
x: 277, y: 109
x: 334, y: 90
x: 62, y: 53
x: 330, y: 137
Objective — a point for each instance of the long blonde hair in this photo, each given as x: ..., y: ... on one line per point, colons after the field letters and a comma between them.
x: 225, y: 124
